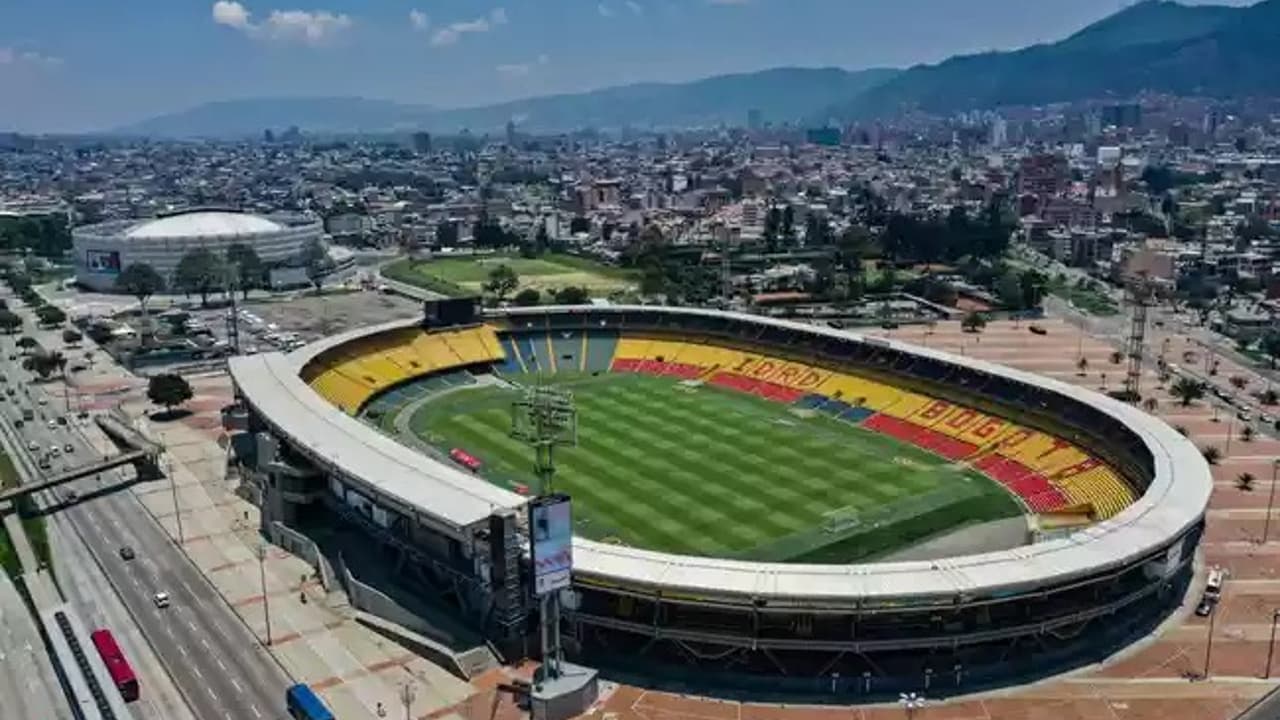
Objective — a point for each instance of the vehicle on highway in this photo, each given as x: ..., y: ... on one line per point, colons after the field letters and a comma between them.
x: 44, y: 463
x: 1037, y: 330
x: 54, y: 451
x: 161, y: 599
x: 52, y: 425
x: 1245, y: 416
x: 1212, y: 592
x: 117, y: 667
x: 303, y: 704
x: 43, y: 400
x: 68, y: 448
x: 28, y: 414
x: 71, y: 496
x: 18, y: 424
x: 126, y: 552
x: 62, y: 419
x: 33, y: 446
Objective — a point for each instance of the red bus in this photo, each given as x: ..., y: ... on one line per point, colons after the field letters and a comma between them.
x: 121, y: 674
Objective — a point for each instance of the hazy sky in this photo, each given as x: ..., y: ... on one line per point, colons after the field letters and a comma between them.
x: 94, y: 64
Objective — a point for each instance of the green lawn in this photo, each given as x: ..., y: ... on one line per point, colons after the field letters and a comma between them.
x: 550, y: 272
x: 33, y: 524
x: 707, y: 471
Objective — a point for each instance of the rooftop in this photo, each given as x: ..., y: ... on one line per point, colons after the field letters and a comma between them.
x: 205, y: 223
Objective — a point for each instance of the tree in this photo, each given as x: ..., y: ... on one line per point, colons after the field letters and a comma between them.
x: 201, y: 272
x: 1182, y: 430
x: 1245, y: 481
x: 169, y: 391
x: 141, y: 281
x: 1187, y: 390
x: 1082, y: 365
x: 316, y: 260
x: 1270, y: 345
x: 26, y: 342
x: 502, y: 282
x: 10, y: 322
x: 44, y: 364
x: 572, y: 295
x: 1269, y: 397
x: 527, y: 297
x: 1150, y: 404
x: 50, y: 315
x: 1211, y: 454
x: 247, y: 267
x: 1247, y: 433
x: 973, y: 322
x: 447, y: 234
x: 1116, y: 357
x: 71, y: 336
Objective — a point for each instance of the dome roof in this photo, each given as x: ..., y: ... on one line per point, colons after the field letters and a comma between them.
x: 204, y: 223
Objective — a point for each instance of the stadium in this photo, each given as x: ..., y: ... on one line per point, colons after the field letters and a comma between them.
x: 101, y: 251
x: 747, y: 494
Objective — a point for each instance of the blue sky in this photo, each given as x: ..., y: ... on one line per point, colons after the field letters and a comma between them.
x: 69, y: 65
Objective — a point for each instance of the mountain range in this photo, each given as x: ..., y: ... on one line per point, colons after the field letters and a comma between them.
x: 1201, y: 50
x: 780, y: 94
x: 1154, y: 45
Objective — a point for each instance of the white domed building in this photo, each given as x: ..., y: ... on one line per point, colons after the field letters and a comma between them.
x: 103, y: 250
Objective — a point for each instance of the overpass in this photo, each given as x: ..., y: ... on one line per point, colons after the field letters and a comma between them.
x: 137, y: 457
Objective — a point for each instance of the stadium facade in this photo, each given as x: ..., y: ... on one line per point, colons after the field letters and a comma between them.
x: 101, y: 251
x: 948, y: 625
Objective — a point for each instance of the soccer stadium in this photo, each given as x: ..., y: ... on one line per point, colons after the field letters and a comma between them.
x: 750, y: 496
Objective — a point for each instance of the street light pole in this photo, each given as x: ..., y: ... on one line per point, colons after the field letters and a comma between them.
x: 406, y: 697
x: 1271, y: 499
x: 1271, y: 645
x: 262, y: 573
x: 173, y: 488
x: 1208, y: 648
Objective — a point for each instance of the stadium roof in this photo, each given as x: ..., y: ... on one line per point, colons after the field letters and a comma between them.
x: 1174, y: 501
x: 270, y: 383
x: 204, y: 223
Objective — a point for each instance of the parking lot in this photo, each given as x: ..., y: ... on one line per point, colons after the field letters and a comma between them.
x: 290, y: 321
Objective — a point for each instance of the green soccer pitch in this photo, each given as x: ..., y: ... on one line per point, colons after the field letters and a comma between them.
x: 698, y: 470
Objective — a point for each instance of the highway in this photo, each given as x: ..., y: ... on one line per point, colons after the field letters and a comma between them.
x: 215, y: 661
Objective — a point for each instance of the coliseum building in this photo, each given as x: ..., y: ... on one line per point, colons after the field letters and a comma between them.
x: 103, y: 250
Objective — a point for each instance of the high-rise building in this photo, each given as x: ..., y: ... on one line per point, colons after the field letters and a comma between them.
x: 1045, y: 175
x: 511, y: 133
x: 755, y: 120
x: 999, y: 132
x: 422, y: 142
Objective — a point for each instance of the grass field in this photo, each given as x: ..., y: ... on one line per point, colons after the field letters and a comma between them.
x: 549, y: 272
x: 705, y: 471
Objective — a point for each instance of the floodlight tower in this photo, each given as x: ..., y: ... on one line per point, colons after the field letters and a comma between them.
x: 543, y: 418
x: 1141, y: 293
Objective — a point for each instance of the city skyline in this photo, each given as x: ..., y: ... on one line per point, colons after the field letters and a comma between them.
x: 69, y: 65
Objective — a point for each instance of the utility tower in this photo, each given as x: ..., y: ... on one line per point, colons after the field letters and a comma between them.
x: 1140, y: 293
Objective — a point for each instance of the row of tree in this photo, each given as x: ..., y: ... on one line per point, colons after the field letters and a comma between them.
x: 203, y: 272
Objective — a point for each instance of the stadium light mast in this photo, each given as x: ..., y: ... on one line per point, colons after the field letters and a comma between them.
x: 544, y: 417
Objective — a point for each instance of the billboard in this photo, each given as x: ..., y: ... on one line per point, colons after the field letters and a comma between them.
x: 551, y: 534
x: 102, y: 261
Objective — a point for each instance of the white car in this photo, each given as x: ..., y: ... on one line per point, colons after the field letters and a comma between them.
x: 33, y: 446
x: 43, y: 400
x: 161, y: 599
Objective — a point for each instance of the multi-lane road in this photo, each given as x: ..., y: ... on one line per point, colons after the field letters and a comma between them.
x: 216, y: 662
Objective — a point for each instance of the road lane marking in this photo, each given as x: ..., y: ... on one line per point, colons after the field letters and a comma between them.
x: 237, y: 685
x: 254, y: 708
